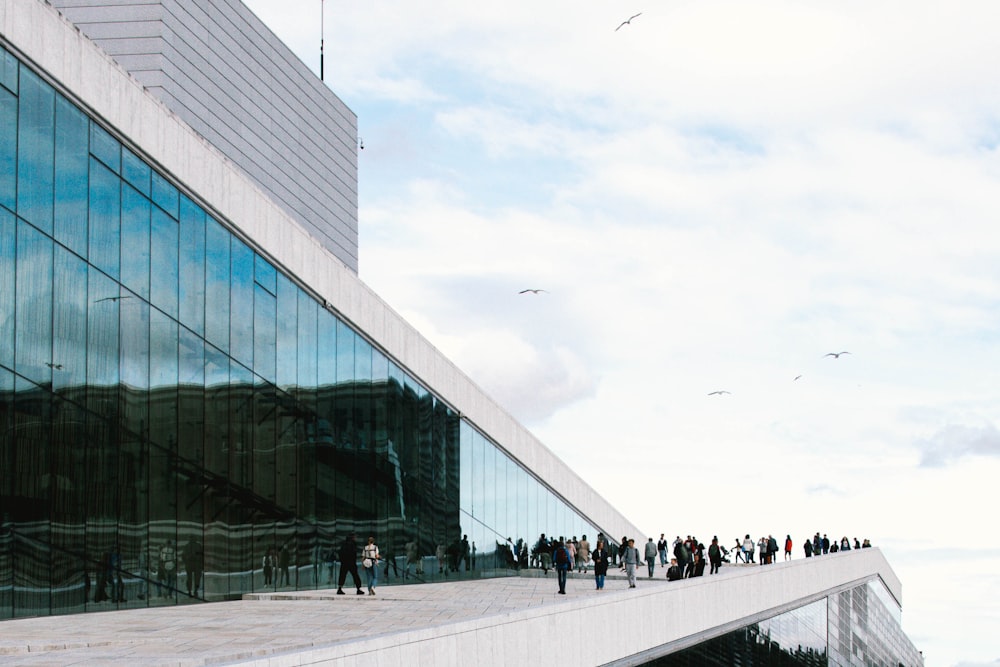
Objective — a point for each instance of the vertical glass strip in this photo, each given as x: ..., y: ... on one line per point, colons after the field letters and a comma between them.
x: 36, y: 151
x: 72, y: 167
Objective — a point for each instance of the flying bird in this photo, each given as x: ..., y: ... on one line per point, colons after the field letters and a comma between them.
x: 532, y: 291
x: 796, y: 378
x: 835, y: 355
x: 113, y: 298
x: 55, y: 367
x: 718, y: 393
x: 628, y: 22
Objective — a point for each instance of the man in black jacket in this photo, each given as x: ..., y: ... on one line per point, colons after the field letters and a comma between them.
x: 349, y: 563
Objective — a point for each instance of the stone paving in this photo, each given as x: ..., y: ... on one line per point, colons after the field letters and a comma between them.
x: 276, y: 624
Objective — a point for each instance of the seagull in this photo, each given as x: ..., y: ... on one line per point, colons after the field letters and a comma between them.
x: 532, y: 291
x: 718, y: 393
x: 623, y: 23
x: 796, y: 378
x: 835, y: 355
x: 55, y: 367
x: 113, y: 298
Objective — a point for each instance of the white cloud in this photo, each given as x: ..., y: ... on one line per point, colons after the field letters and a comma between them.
x: 714, y: 197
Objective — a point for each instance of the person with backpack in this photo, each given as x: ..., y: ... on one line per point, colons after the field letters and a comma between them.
x: 631, y: 559
x: 561, y: 562
x: 714, y: 556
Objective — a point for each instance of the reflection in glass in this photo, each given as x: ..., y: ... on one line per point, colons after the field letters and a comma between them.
x: 173, y: 408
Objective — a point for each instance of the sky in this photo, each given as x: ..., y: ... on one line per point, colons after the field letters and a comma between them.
x: 714, y: 197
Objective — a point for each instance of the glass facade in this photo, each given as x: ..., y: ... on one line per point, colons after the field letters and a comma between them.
x: 173, y: 407
x: 855, y: 627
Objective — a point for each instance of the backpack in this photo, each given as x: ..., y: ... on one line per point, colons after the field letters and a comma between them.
x: 562, y: 557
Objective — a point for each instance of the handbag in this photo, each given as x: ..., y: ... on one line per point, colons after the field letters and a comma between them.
x: 367, y: 562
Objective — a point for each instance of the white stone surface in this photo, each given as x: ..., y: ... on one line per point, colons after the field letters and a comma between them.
x: 516, y: 620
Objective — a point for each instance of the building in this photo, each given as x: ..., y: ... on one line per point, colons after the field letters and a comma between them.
x: 199, y: 398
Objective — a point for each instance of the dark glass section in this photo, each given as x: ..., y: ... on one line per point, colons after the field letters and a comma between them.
x: 794, y: 639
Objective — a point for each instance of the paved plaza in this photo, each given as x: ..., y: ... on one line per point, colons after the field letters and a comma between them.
x: 276, y: 628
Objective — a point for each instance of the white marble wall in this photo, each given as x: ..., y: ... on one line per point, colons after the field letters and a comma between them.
x: 597, y: 630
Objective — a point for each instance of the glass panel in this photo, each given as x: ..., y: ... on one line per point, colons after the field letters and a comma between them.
x: 241, y: 304
x: 264, y: 333
x: 8, y: 151
x: 33, y: 306
x: 105, y: 299
x: 217, y: 284
x: 134, y: 364
x: 72, y: 166
x: 135, y: 242
x: 191, y: 275
x: 265, y: 275
x: 105, y: 148
x: 8, y: 245
x: 104, y: 218
x: 36, y: 151
x: 287, y: 333
x: 165, y: 195
x: 8, y: 70
x: 135, y: 171
x: 69, y: 349
x: 164, y: 278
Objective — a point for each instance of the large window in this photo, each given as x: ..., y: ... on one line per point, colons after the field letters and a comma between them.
x: 175, y: 413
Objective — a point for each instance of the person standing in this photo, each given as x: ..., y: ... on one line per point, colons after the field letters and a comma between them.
x: 168, y: 567
x: 349, y: 563
x: 283, y: 563
x: 194, y: 565
x: 747, y: 549
x: 600, y: 556
x: 582, y: 555
x: 661, y: 548
x: 370, y: 558
x: 808, y: 548
x: 788, y: 547
x: 826, y: 544
x: 561, y: 561
x: 714, y: 556
x: 267, y: 564
x: 674, y: 571
x: 682, y: 555
x: 650, y: 556
x: 631, y: 560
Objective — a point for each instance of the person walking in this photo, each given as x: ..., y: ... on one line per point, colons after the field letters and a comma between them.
x: 714, y: 556
x: 651, y: 556
x: 631, y: 559
x: 600, y: 557
x: 583, y: 555
x: 349, y: 563
x: 561, y: 560
x: 370, y: 558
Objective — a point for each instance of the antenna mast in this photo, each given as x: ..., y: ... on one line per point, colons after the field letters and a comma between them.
x: 320, y: 40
